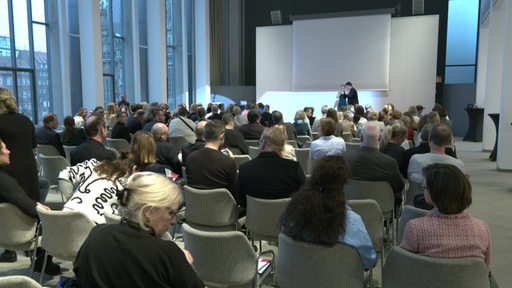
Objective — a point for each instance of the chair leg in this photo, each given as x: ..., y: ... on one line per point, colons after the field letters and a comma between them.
x: 44, y: 267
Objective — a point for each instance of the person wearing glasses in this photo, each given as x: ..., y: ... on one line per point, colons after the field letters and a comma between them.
x: 131, y: 253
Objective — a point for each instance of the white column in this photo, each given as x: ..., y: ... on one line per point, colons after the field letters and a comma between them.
x: 157, y: 72
x: 483, y: 47
x: 202, y: 47
x: 90, y: 53
x: 494, y: 71
x: 504, y: 160
x: 131, y: 52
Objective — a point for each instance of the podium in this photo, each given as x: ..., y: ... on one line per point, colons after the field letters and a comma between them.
x: 476, y: 124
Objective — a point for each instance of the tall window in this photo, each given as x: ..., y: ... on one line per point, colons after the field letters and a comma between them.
x: 24, y: 55
x: 75, y: 64
x: 170, y: 10
x: 143, y: 51
x: 112, y: 46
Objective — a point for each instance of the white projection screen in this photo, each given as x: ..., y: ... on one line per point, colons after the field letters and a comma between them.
x: 329, y: 51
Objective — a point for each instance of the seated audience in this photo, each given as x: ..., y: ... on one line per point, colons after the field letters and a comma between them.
x: 348, y: 124
x: 143, y: 153
x: 96, y: 130
x: 46, y: 135
x: 120, y: 131
x: 131, y: 253
x: 394, y: 147
x: 110, y: 115
x: 158, y: 116
x: 270, y: 176
x: 333, y: 114
x: 318, y: 212
x: 440, y: 137
x: 96, y: 186
x: 447, y: 231
x: 277, y: 119
x: 166, y: 153
x: 134, y: 122
x: 253, y: 129
x: 198, y: 144
x: 181, y: 126
x: 79, y: 117
x: 72, y: 136
x: 327, y: 144
x: 233, y: 140
x: 300, y: 124
x: 239, y: 119
x: 209, y: 168
x: 316, y: 123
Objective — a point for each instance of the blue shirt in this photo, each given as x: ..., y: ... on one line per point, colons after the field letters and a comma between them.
x: 326, y: 146
x: 356, y: 236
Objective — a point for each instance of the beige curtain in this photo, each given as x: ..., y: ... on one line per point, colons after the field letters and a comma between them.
x: 216, y: 35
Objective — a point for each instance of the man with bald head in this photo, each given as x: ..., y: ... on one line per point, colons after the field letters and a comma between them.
x: 166, y: 153
x: 369, y: 164
x: 198, y: 144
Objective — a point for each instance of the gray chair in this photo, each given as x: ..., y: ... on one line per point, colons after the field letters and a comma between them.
x: 347, y: 137
x: 302, y: 155
x: 352, y: 146
x: 263, y: 219
x: 409, y: 213
x: 111, y: 218
x: 311, y: 166
x: 18, y: 282
x: 211, y: 209
x: 415, y: 188
x: 48, y: 150
x: 404, y: 269
x: 293, y: 143
x: 224, y: 259
x: 253, y: 143
x: 64, y: 233
x: 315, y: 135
x: 241, y: 159
x: 121, y: 145
x: 303, y: 138
x: 51, y: 167
x: 307, y: 144
x: 301, y: 264
x: 379, y: 191
x: 18, y: 229
x: 67, y: 150
x: 253, y: 151
x: 115, y: 151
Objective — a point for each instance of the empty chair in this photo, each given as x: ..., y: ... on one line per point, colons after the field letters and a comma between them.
x: 409, y: 213
x: 404, y: 269
x: 223, y: 259
x: 379, y: 191
x: 67, y: 150
x: 347, y: 136
x: 253, y: 143
x: 64, y: 233
x: 302, y: 155
x: 264, y: 217
x: 121, y: 145
x: 51, y: 167
x: 241, y: 159
x: 211, y: 209
x: 48, y: 150
x: 18, y: 282
x: 253, y: 151
x: 301, y: 264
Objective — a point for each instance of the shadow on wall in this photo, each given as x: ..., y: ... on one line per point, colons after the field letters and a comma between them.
x: 233, y: 94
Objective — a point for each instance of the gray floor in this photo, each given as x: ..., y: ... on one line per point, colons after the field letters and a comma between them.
x: 492, y: 199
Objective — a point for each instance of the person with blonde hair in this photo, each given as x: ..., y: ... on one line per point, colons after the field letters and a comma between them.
x: 110, y: 115
x: 288, y: 152
x: 143, y: 153
x: 131, y: 253
x: 301, y: 126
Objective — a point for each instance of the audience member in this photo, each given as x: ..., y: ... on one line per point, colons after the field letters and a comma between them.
x: 72, y: 136
x: 120, y: 131
x: 447, y: 231
x: 215, y: 115
x: 310, y: 111
x: 253, y: 129
x: 134, y: 123
x: 96, y: 130
x: 239, y: 119
x: 369, y: 164
x: 110, y: 115
x: 158, y: 117
x: 123, y: 102
x: 209, y: 168
x: 79, y: 117
x: 348, y: 124
x: 277, y: 119
x: 269, y: 176
x: 315, y: 125
x: 440, y: 137
x: 333, y: 114
x: 181, y: 126
x: 130, y: 254
x: 143, y: 153
x: 166, y: 153
x: 233, y: 139
x: 326, y: 144
x: 288, y: 150
x: 266, y: 117
x: 197, y: 145
x: 318, y: 212
x: 301, y: 126
x: 46, y: 134
x: 394, y: 147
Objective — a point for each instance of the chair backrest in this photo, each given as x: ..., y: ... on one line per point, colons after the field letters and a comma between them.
x: 210, y: 209
x: 115, y: 151
x: 253, y: 151
x: 253, y: 143
x: 352, y: 146
x: 307, y: 144
x: 18, y: 281
x: 311, y: 166
x: 303, y: 138
x: 347, y: 136
x: 293, y: 143
x: 379, y: 191
x: 221, y: 258
x: 404, y: 269
x: 67, y: 150
x: 315, y: 135
x: 263, y: 218
x: 121, y: 145
x: 111, y: 218
x: 241, y: 159
x: 415, y: 188
x: 48, y: 150
x: 17, y: 228
x: 373, y: 220
x: 235, y: 151
x: 64, y: 232
x: 302, y: 155
x: 356, y: 140
x: 301, y: 264
x: 409, y: 213
x: 52, y: 165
